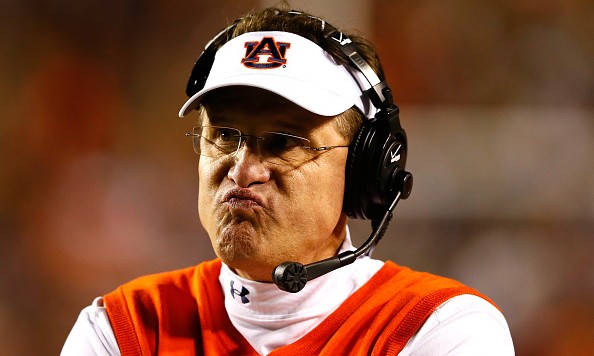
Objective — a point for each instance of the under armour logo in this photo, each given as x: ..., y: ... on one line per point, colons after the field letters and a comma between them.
x: 275, y: 51
x: 242, y: 294
x: 395, y: 156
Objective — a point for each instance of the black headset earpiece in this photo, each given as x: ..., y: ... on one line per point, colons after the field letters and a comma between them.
x: 375, y: 170
x: 375, y: 167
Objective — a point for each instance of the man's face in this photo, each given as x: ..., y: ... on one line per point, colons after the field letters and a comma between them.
x: 259, y: 214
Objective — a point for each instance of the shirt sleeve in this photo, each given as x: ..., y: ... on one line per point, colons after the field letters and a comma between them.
x: 92, y: 333
x: 464, y: 325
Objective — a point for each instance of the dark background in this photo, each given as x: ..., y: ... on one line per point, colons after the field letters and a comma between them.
x: 98, y: 182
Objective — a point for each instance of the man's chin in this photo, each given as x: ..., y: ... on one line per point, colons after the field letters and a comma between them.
x: 237, y: 241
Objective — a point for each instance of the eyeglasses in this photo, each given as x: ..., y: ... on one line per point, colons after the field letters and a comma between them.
x: 273, y: 147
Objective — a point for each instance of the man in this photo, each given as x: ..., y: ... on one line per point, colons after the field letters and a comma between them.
x: 296, y: 131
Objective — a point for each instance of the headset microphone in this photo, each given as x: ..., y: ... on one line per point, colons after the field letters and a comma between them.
x: 292, y: 276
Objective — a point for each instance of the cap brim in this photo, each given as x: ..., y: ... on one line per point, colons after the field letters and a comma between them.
x: 325, y: 104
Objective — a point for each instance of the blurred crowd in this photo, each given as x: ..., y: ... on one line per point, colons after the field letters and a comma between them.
x: 98, y: 182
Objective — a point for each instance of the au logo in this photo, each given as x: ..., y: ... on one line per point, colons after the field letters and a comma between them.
x: 267, y: 47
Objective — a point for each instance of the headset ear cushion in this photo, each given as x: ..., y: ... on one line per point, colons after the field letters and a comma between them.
x: 376, y: 154
x: 354, y: 173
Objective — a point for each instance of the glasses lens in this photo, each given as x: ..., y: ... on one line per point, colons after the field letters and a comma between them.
x: 273, y: 147
x: 214, y: 141
x: 283, y: 148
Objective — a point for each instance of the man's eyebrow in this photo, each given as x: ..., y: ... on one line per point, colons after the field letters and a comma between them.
x: 283, y: 125
x: 217, y: 117
x: 291, y: 127
x: 302, y: 125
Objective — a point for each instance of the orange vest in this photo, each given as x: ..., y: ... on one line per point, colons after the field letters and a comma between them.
x: 183, y: 313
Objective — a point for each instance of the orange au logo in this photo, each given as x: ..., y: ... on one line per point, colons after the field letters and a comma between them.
x: 275, y: 51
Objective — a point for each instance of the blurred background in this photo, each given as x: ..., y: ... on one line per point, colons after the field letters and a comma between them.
x: 98, y: 182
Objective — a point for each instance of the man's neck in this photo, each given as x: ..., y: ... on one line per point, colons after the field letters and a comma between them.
x: 269, y: 318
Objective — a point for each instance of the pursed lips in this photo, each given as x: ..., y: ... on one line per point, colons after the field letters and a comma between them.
x: 242, y: 198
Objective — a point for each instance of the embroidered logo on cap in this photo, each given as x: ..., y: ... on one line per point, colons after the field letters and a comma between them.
x: 267, y: 47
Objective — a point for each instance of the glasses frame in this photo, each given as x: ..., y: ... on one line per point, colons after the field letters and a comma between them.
x: 242, y: 138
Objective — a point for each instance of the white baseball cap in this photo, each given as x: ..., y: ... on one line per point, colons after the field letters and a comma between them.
x: 288, y: 65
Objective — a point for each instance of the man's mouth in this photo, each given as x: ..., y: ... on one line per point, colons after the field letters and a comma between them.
x: 241, y: 198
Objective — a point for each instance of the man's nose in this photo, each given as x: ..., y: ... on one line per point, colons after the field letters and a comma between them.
x: 248, y: 167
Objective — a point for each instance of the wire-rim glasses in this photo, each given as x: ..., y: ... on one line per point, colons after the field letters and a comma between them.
x: 274, y: 147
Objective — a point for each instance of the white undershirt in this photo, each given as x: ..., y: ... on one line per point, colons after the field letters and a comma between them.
x: 272, y: 318
x: 464, y: 325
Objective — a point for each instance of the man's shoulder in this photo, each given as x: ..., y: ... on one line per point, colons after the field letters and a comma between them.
x: 419, y: 293
x: 166, y: 303
x: 421, y: 287
x: 465, y: 324
x: 405, y: 278
x: 404, y: 299
x: 171, y: 285
x: 179, y: 277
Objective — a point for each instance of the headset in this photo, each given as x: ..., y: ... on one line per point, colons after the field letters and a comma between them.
x: 375, y: 173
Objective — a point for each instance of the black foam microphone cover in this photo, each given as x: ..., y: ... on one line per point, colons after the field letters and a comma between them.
x: 292, y: 276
